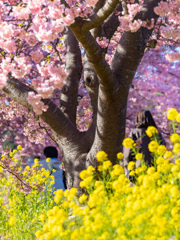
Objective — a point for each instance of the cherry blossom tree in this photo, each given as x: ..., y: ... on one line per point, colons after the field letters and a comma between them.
x: 61, y: 59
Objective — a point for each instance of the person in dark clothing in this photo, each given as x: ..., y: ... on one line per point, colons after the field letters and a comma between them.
x: 143, y: 120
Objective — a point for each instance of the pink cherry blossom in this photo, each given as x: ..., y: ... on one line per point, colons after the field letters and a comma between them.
x: 45, y: 90
x: 6, y: 30
x: 91, y: 2
x: 135, y: 25
x: 133, y: 9
x: 37, y: 104
x: 162, y: 9
x: 31, y: 39
x: 125, y: 23
x: 171, y: 57
x: 56, y: 10
x: 103, y: 42
x: 21, y: 12
x: 44, y: 33
x: 8, y: 45
x: 37, y: 56
x: 3, y: 81
x: 35, y: 6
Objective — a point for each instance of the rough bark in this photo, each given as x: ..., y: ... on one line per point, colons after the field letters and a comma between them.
x: 69, y: 91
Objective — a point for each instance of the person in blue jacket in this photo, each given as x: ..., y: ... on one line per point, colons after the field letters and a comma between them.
x: 52, y: 153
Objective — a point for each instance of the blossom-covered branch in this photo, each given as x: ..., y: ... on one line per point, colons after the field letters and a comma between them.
x: 19, y: 93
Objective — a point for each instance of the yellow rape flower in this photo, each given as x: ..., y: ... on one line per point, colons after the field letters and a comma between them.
x: 153, y: 146
x: 132, y: 173
x: 175, y: 169
x: 172, y: 114
x: 101, y: 156
x: 131, y: 165
x: 117, y: 170
x: 150, y: 170
x: 12, y: 221
x: 11, y: 154
x: 38, y: 234
x: 139, y: 156
x: 128, y: 143
x: 19, y: 147
x: 14, y: 151
x: 160, y: 160
x: 90, y: 169
x: 86, y: 173
x: 28, y: 168
x: 175, y: 138
x: 177, y: 161
x: 100, y: 168
x: 106, y: 165
x: 120, y: 155
x: 168, y: 154
x: 42, y: 218
x: 36, y: 162
x: 86, y: 183
x: 104, y: 236
x: 75, y: 234
x: 176, y: 148
x: 48, y: 159
x: 161, y: 150
x: 175, y: 192
x: 178, y: 118
x: 58, y: 196
x: 151, y: 131
x: 83, y: 198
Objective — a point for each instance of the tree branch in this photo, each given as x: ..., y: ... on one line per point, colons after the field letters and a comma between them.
x: 69, y: 91
x: 95, y: 55
x: 99, y: 17
x: 112, y: 23
x: 98, y: 5
x: 56, y: 120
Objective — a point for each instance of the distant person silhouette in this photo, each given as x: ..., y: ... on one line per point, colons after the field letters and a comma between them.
x: 143, y: 120
x: 52, y: 153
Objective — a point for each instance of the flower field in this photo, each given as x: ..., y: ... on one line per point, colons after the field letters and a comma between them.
x: 111, y: 207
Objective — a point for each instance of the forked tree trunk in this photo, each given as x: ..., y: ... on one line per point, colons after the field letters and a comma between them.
x: 108, y: 87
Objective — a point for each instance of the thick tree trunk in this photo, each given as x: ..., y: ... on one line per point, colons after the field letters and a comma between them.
x: 108, y: 87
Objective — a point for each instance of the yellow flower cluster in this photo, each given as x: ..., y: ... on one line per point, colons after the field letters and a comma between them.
x: 120, y: 155
x: 175, y: 138
x: 113, y: 209
x: 22, y: 198
x: 151, y: 131
x: 153, y: 146
x: 128, y: 143
x: 101, y: 156
x: 139, y: 156
x: 87, y: 177
x: 110, y: 207
x: 172, y: 114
